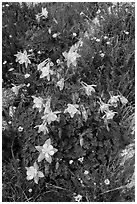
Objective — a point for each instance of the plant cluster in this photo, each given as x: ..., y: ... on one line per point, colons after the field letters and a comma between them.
x: 72, y: 77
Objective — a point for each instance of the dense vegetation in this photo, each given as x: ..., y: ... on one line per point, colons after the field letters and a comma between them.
x: 68, y: 101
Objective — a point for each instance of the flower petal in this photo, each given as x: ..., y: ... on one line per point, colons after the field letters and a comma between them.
x: 49, y: 159
x: 40, y: 174
x: 36, y: 179
x: 39, y: 148
x: 48, y: 141
x: 41, y: 157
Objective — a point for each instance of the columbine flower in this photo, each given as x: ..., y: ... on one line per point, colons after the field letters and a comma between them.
x: 16, y: 89
x: 33, y: 173
x: 113, y: 100
x: 23, y: 58
x: 60, y: 83
x: 46, y: 151
x: 51, y: 117
x: 46, y: 72
x: 71, y: 56
x: 104, y: 107
x: 72, y: 109
x: 70, y: 161
x: 44, y: 12
x: 27, y: 76
x: 88, y: 88
x: 78, y: 198
x: 81, y: 159
x: 38, y: 103
x: 109, y: 115
x: 42, y: 128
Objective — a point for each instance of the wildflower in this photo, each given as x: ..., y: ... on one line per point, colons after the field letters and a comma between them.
x: 78, y: 198
x: 55, y: 35
x: 20, y: 129
x: 46, y: 151
x: 44, y: 12
x: 108, y: 43
x: 30, y: 190
x: 27, y: 76
x: 42, y: 128
x: 38, y: 103
x: 5, y: 62
x: 16, y: 89
x: 39, y: 52
x: 72, y: 110
x: 71, y: 56
x: 46, y: 72
x: 97, y: 40
x: 123, y: 100
x: 74, y: 34
x: 33, y: 173
x: 28, y: 85
x: 88, y: 88
x: 102, y: 55
x: 105, y: 37
x: 109, y: 115
x: 104, y: 107
x: 86, y: 172
x: 60, y: 83
x: 107, y: 182
x: 23, y: 58
x: 50, y: 117
x: 71, y: 161
x: 81, y: 159
x: 113, y: 100
x: 126, y: 32
x: 58, y: 61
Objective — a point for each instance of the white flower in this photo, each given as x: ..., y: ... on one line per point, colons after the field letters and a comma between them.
x: 30, y: 190
x: 71, y: 161
x: 105, y: 37
x: 88, y: 88
x: 78, y: 198
x: 60, y: 83
x: 107, y: 182
x: 109, y: 115
x: 55, y: 35
x: 74, y: 34
x: 113, y: 100
x: 27, y: 76
x: 33, y: 173
x: 4, y: 62
x: 58, y: 61
x: 39, y: 52
x: 38, y: 103
x: 16, y: 89
x: 11, y: 69
x: 81, y: 159
x: 42, y: 128
x: 102, y: 55
x: 108, y: 43
x: 72, y: 109
x: 46, y: 72
x: 50, y: 117
x: 23, y: 58
x: 46, y: 151
x: 20, y: 129
x: 97, y: 40
x: 86, y: 172
x: 44, y: 12
x: 71, y: 56
x: 104, y: 107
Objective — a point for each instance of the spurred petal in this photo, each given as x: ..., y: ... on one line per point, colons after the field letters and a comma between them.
x: 36, y: 166
x: 48, y: 141
x: 36, y: 179
x: 40, y: 174
x: 49, y: 159
x: 39, y: 148
x: 41, y: 157
x: 30, y: 177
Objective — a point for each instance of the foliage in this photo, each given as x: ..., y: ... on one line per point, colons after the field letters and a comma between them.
x: 73, y: 92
